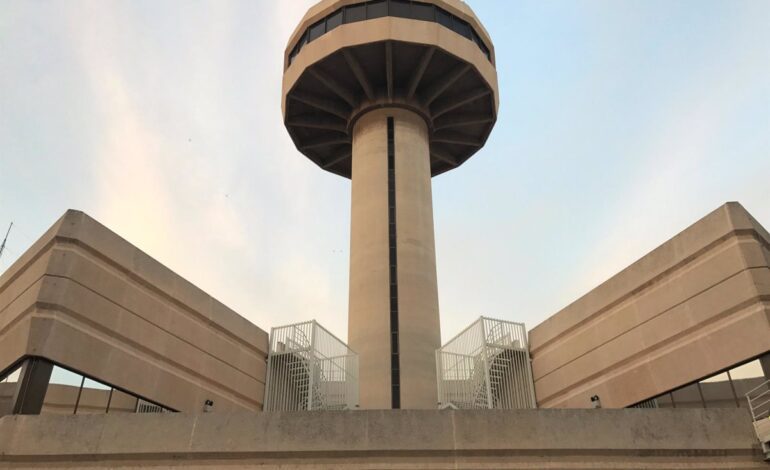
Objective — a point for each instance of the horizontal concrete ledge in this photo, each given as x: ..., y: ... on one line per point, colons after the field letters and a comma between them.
x: 356, y: 434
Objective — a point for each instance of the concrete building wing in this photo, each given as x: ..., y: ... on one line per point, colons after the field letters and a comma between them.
x: 694, y: 306
x: 84, y: 298
x: 154, y: 372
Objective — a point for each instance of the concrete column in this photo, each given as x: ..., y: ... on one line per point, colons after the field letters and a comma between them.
x: 32, y: 386
x: 764, y: 361
x: 370, y: 304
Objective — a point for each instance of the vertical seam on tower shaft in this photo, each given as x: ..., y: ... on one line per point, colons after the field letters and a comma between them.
x: 395, y: 374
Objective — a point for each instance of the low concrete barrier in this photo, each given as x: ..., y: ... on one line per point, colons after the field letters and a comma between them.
x: 625, y: 438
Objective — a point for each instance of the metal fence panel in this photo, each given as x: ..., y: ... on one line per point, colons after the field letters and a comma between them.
x: 486, y: 365
x: 308, y: 368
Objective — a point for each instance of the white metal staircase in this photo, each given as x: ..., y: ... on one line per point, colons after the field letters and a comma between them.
x: 759, y: 405
x: 309, y: 369
x: 494, y: 372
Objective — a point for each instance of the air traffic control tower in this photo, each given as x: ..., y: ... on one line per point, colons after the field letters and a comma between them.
x: 390, y: 93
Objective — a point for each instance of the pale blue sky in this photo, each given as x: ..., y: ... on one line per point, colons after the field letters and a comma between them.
x: 621, y: 123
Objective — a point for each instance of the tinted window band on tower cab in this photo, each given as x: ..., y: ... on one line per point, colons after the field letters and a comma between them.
x: 395, y: 382
x: 396, y: 8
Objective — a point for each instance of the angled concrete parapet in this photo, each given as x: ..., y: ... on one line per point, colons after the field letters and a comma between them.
x: 386, y: 439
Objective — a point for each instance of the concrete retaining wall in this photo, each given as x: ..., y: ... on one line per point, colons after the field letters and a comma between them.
x: 628, y: 438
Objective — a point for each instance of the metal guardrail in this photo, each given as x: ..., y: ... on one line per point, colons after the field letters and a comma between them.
x: 486, y: 365
x: 759, y: 406
x: 308, y: 368
x: 144, y: 406
x: 759, y: 401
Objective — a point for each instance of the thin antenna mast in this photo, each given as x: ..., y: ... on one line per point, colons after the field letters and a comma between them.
x: 2, y: 246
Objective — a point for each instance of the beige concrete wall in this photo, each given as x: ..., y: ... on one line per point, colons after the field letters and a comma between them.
x: 6, y: 397
x: 697, y: 304
x: 369, y: 316
x: 83, y: 297
x: 418, y: 309
x: 576, y: 439
x: 368, y: 305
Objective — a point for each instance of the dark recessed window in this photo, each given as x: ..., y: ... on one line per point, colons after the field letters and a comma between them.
x: 476, y: 38
x: 355, y: 13
x: 443, y: 18
x: 376, y: 9
x: 401, y: 8
x: 316, y: 31
x: 423, y: 11
x: 380, y: 8
x: 461, y: 27
x: 334, y: 20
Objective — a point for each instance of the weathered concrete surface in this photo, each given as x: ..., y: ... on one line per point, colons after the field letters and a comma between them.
x: 696, y: 305
x: 84, y: 297
x: 628, y: 438
x: 369, y: 305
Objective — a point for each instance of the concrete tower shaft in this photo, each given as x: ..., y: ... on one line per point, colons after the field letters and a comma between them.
x: 394, y: 316
x: 390, y: 93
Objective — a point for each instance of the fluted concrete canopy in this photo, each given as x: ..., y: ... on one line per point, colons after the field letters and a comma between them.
x: 440, y: 66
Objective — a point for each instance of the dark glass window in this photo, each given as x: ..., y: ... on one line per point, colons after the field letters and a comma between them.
x: 398, y: 8
x: 12, y: 376
x: 664, y: 401
x: 688, y: 397
x: 423, y: 11
x: 443, y: 18
x: 355, y: 13
x: 394, y: 360
x: 719, y: 392
x: 334, y: 20
x: 461, y: 27
x: 476, y: 38
x: 401, y: 8
x: 376, y: 9
x: 316, y: 31
x: 725, y: 389
x: 72, y: 393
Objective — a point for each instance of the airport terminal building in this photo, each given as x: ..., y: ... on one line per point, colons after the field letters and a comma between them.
x: 108, y: 358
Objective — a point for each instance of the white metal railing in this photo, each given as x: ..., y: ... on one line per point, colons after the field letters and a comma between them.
x: 759, y: 405
x: 486, y: 365
x: 308, y: 368
x: 759, y: 401
x: 144, y: 406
